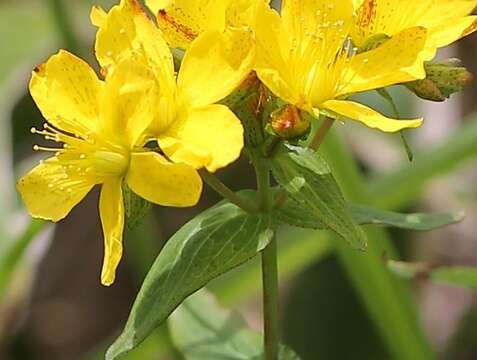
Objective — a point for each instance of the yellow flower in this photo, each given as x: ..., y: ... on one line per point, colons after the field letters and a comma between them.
x: 183, y: 20
x: 445, y: 20
x: 99, y: 127
x: 190, y: 127
x: 306, y: 58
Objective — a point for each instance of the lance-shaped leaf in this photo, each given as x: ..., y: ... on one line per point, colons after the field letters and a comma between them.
x: 462, y: 276
x: 308, y: 180
x: 216, y: 241
x: 295, y: 214
x: 202, y: 330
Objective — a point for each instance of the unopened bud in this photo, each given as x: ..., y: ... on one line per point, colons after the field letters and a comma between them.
x: 248, y: 102
x: 288, y: 122
x: 442, y: 80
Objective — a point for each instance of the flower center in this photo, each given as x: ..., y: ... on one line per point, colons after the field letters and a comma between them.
x: 88, y: 156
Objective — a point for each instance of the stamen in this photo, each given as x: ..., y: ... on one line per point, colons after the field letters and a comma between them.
x: 42, y: 148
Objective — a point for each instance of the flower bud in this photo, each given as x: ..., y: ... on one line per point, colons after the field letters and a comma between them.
x: 248, y: 102
x: 288, y: 122
x: 442, y: 80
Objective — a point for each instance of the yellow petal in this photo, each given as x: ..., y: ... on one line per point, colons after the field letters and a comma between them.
x: 210, y: 137
x: 444, y: 12
x: 452, y: 31
x: 303, y: 18
x: 369, y: 117
x: 67, y: 92
x: 215, y: 65
x: 162, y: 182
x: 443, y: 18
x: 243, y: 12
x: 181, y: 21
x: 388, y: 17
x: 357, y: 3
x: 97, y: 16
x: 273, y: 46
x: 127, y: 30
x: 396, y: 61
x: 47, y: 192
x: 111, y: 210
x: 131, y: 97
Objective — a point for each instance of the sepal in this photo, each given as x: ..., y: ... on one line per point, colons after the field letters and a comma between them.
x: 136, y: 208
x: 442, y: 80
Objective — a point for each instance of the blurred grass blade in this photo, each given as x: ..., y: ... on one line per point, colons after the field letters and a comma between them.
x: 64, y: 25
x: 202, y: 330
x: 387, y: 299
x: 398, y: 188
x: 297, y: 250
x: 12, y: 256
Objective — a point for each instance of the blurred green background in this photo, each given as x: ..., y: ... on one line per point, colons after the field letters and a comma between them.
x: 335, y: 304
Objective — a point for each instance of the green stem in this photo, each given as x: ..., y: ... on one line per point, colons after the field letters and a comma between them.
x: 64, y: 25
x: 269, y: 268
x: 263, y: 185
x: 270, y: 299
x: 321, y: 133
x: 226, y: 192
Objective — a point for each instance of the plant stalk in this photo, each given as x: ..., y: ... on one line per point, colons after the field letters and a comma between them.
x: 224, y: 191
x: 269, y: 270
x: 270, y: 300
x: 321, y: 133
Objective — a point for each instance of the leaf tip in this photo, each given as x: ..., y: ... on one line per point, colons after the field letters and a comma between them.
x: 458, y: 216
x: 121, y: 346
x: 265, y: 238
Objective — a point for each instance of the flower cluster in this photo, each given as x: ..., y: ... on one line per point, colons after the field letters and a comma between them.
x: 313, y: 55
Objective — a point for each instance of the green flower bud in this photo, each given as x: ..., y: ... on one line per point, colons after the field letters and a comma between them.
x: 442, y: 80
x: 251, y: 102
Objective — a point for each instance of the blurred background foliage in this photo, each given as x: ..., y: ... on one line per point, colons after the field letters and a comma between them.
x: 337, y: 304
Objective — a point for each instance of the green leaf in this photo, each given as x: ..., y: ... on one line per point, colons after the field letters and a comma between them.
x: 416, y: 221
x: 202, y: 330
x: 216, y: 241
x: 454, y: 275
x: 308, y: 180
x: 293, y: 213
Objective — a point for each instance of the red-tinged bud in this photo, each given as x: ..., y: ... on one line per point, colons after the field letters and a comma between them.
x: 288, y: 122
x: 442, y: 80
